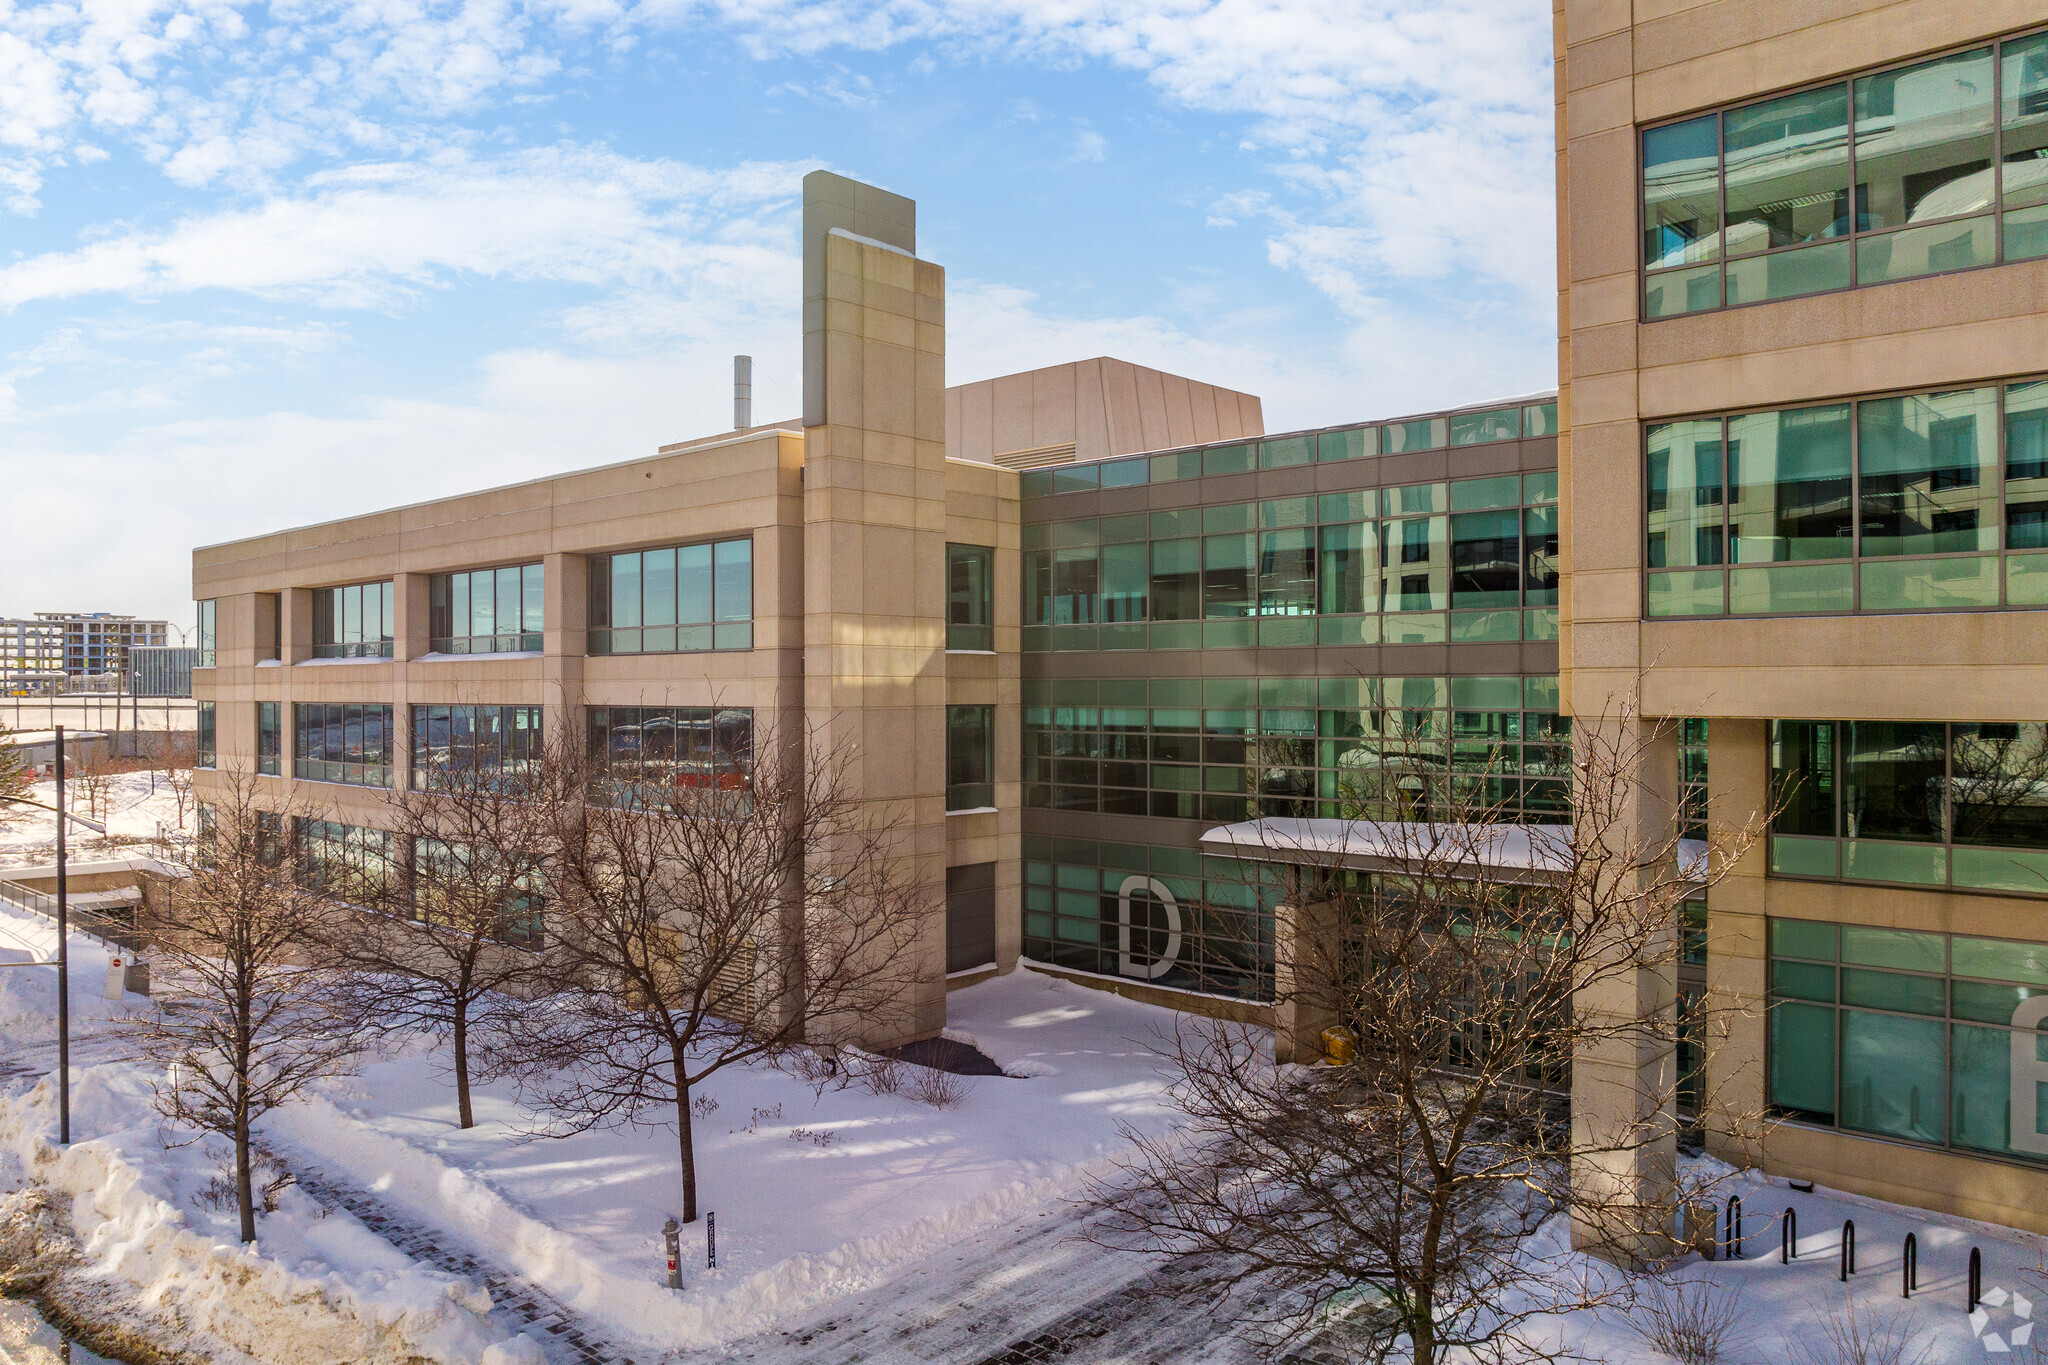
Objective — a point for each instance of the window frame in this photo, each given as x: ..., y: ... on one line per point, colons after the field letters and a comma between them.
x: 2003, y: 555
x: 975, y: 796
x: 736, y: 633
x: 1995, y: 212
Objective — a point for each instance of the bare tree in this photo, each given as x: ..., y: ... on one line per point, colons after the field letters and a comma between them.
x: 1463, y: 963
x: 450, y: 938
x: 17, y: 778
x: 720, y: 904
x: 95, y: 780
x: 238, y: 1021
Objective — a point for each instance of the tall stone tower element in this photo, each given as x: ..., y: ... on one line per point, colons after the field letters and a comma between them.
x: 875, y: 533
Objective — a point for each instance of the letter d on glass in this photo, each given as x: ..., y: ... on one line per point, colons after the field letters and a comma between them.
x: 1125, y: 963
x: 2029, y: 1073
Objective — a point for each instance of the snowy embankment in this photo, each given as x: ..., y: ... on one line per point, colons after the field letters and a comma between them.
x: 816, y: 1195
x: 139, y: 807
x: 137, y: 1235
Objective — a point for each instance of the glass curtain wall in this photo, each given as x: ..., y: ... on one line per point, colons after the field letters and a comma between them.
x: 970, y: 597
x: 487, y: 611
x: 1166, y: 916
x: 1919, y: 502
x: 207, y: 743
x: 1225, y: 749
x: 342, y: 742
x: 1474, y: 560
x: 1910, y: 171
x: 1927, y: 1038
x: 1913, y: 803
x: 354, y: 622
x: 1526, y: 422
x: 679, y: 599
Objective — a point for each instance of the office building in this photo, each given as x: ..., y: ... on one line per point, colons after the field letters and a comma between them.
x: 1803, y: 262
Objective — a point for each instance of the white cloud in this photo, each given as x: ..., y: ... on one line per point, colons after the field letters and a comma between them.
x: 1089, y: 145
x: 370, y: 235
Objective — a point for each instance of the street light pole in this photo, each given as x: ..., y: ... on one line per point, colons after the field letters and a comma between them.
x: 63, y: 966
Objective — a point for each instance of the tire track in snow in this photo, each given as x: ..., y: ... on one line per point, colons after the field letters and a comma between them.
x: 521, y: 1306
x: 1016, y: 1295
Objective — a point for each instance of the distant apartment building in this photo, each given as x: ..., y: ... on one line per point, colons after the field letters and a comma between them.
x: 73, y: 644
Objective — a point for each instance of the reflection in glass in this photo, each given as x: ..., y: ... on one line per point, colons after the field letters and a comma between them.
x: 1539, y: 551
x: 1486, y: 559
x: 1892, y: 779
x: 1803, y: 777
x: 2025, y: 113
x: 970, y: 593
x: 1789, y: 478
x: 1788, y: 170
x: 1415, y: 564
x: 2026, y: 466
x: 1927, y: 466
x: 1999, y: 791
x: 1681, y: 193
x: 1177, y: 580
x: 1685, y: 494
x: 1287, y: 572
x: 1923, y: 141
x: 1228, y: 574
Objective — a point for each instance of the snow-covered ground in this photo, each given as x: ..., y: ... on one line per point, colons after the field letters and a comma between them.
x: 849, y: 1223
x: 135, y: 810
x: 814, y: 1195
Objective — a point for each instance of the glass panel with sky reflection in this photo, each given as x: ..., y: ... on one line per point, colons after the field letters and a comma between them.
x: 1928, y: 467
x: 1788, y: 170
x: 1788, y: 473
x: 1923, y: 142
x: 2024, y: 93
x: 1685, y: 494
x: 2026, y: 466
x: 1681, y: 194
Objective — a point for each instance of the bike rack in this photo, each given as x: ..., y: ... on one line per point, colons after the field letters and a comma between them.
x: 1788, y: 1237
x: 1976, y: 1277
x: 1731, y: 1229
x: 1909, y: 1267
x: 1848, y: 1249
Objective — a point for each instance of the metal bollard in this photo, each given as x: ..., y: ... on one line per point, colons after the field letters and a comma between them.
x: 671, y: 1233
x: 1788, y: 1237
x: 1909, y: 1267
x: 1733, y: 1230
x: 711, y: 1241
x: 1848, y: 1249
x: 1976, y: 1277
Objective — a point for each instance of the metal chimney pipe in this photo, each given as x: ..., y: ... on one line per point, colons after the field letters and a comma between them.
x: 742, y: 392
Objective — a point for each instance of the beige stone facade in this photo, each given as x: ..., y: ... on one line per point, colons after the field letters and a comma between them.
x: 1620, y: 68
x: 848, y: 517
x: 1091, y: 410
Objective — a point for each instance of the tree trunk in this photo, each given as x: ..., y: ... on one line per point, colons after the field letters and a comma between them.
x: 467, y: 1119
x: 245, y: 1192
x: 689, y: 1149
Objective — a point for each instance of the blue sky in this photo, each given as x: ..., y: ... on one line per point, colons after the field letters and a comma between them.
x: 269, y: 264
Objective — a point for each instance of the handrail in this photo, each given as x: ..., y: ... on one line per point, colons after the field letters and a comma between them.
x: 22, y: 898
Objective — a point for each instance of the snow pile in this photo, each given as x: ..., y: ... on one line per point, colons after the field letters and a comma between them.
x: 316, y: 1285
x: 154, y: 1226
